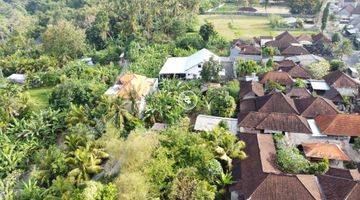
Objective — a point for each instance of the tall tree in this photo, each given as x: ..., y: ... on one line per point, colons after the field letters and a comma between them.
x: 325, y: 17
x: 64, y: 41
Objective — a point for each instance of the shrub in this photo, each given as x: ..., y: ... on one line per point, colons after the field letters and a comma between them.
x: 357, y: 143
x: 190, y: 41
x: 221, y: 103
x: 337, y: 65
x: 319, y: 69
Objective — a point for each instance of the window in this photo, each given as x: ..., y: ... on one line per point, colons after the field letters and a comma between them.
x: 199, y: 66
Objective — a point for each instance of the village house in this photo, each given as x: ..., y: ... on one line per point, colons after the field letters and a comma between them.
x: 133, y: 88
x: 258, y: 177
x: 280, y: 77
x: 191, y: 67
x: 298, y: 93
x: 209, y: 123
x: 321, y: 150
x: 250, y: 89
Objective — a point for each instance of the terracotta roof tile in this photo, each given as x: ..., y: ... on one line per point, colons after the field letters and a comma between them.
x: 251, y: 86
x: 304, y: 37
x: 276, y: 102
x: 282, y: 41
x: 298, y: 72
x: 320, y: 37
x: 139, y: 85
x: 339, y: 125
x: 294, y: 51
x: 339, y: 79
x: 335, y: 188
x: 250, y: 50
x: 280, y: 77
x: 298, y: 93
x: 254, y: 183
x: 324, y: 150
x: 313, y: 106
x: 342, y: 173
x: 285, y: 122
x: 333, y: 95
x: 285, y: 63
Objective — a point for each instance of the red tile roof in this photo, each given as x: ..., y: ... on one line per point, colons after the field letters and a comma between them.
x: 280, y: 77
x: 324, y: 150
x: 282, y: 41
x: 276, y: 102
x: 339, y: 79
x: 313, y: 106
x: 297, y: 72
x: 254, y: 183
x: 250, y: 50
x: 285, y: 63
x: 294, y: 51
x: 275, y: 122
x: 320, y: 37
x: 247, y: 87
x: 339, y: 125
x: 335, y: 188
x: 304, y: 37
x: 298, y: 93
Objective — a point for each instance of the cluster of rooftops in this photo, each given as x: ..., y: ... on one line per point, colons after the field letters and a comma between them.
x: 311, y: 118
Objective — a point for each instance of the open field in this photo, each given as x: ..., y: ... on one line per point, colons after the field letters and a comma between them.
x: 232, y: 7
x: 40, y: 97
x: 239, y: 26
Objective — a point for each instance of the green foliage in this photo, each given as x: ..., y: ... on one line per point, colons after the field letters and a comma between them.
x: 190, y: 41
x: 221, y: 103
x: 186, y: 186
x: 210, y: 71
x: 357, y: 143
x: 76, y: 92
x: 247, y: 67
x: 342, y: 48
x: 336, y: 37
x: 299, y: 83
x: 98, y: 33
x: 206, y: 31
x: 269, y: 51
x: 319, y: 69
x: 272, y: 85
x: 19, y: 64
x: 50, y: 163
x: 64, y: 41
x: 233, y: 87
x: 308, y: 7
x: 276, y: 21
x: 325, y: 16
x: 337, y: 65
x: 14, y: 103
x: 290, y: 160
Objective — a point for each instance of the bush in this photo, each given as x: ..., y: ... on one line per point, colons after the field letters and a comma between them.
x: 290, y: 160
x: 190, y: 41
x: 76, y: 92
x: 319, y: 69
x: 337, y: 65
x: 357, y: 143
x: 221, y: 103
x: 276, y: 21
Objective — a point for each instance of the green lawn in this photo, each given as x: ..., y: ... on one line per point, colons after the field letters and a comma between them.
x: 239, y: 26
x: 233, y: 7
x: 40, y: 97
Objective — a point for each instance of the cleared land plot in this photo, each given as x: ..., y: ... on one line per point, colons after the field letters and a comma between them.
x: 239, y: 26
x: 232, y: 7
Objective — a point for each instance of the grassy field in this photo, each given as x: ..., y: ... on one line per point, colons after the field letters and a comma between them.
x: 239, y: 26
x: 233, y: 7
x: 40, y: 97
